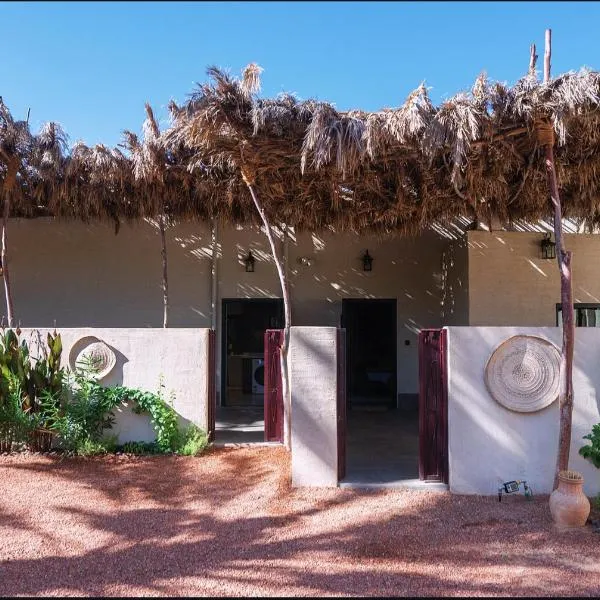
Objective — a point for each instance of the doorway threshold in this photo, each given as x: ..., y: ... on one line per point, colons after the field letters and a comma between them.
x: 412, y: 484
x: 244, y: 444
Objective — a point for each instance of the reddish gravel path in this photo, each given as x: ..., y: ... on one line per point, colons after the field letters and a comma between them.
x: 228, y: 524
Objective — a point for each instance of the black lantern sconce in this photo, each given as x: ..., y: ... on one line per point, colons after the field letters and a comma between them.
x: 249, y: 262
x: 367, y: 261
x: 548, y: 247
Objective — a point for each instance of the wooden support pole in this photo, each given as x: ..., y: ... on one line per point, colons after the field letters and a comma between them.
x: 279, y: 264
x: 165, y: 275
x: 563, y: 257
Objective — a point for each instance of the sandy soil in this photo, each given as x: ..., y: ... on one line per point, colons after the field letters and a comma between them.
x: 228, y: 524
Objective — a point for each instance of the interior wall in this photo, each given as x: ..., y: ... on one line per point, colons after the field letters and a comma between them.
x: 509, y: 284
x: 489, y: 444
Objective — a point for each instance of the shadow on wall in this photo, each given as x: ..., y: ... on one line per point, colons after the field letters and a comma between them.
x: 489, y: 444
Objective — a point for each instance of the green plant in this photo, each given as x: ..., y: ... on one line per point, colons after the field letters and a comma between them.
x: 36, y: 375
x: 139, y: 448
x: 81, y: 411
x: 592, y: 451
x: 162, y: 415
x: 89, y: 447
x: 191, y: 441
x: 15, y: 421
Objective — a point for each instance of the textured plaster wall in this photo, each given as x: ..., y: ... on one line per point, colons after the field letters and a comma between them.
x: 78, y: 275
x: 455, y: 289
x: 313, y: 378
x: 408, y: 269
x: 510, y: 285
x: 489, y: 444
x: 179, y: 356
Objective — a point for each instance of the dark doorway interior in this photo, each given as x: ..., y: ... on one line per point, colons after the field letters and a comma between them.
x: 240, y: 415
x: 381, y: 438
x: 243, y: 346
x: 371, y: 352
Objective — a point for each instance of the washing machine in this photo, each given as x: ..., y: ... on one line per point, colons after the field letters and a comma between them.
x: 258, y: 376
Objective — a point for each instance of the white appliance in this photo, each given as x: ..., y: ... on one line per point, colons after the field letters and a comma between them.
x: 258, y: 376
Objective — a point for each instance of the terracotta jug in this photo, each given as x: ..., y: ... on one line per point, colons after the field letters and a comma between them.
x: 568, y: 504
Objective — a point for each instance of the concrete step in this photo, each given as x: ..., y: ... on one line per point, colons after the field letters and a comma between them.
x: 413, y: 484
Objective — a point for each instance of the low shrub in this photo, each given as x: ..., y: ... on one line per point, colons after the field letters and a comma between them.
x: 89, y: 447
x: 592, y: 451
x: 139, y: 448
x: 191, y: 441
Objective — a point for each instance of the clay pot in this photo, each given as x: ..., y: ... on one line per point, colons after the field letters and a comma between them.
x: 568, y: 504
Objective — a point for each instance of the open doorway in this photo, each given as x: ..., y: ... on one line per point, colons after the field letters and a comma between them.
x: 382, y: 437
x: 240, y: 416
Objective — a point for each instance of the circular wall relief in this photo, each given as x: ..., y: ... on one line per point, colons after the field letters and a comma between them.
x: 102, y: 355
x: 523, y: 373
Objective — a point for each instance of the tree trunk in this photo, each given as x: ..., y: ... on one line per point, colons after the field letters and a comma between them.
x: 287, y: 316
x: 5, y: 273
x: 165, y: 276
x: 563, y: 258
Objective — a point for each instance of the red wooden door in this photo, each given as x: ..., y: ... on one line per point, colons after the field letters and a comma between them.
x: 212, y: 388
x: 433, y: 406
x: 341, y: 402
x: 273, y: 386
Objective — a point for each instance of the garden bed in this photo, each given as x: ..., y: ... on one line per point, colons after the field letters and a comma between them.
x: 227, y: 523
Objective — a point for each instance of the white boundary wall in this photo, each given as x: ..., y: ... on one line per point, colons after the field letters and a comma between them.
x: 313, y: 361
x: 488, y: 444
x: 179, y: 355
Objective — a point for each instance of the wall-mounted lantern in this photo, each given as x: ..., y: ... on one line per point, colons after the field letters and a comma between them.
x: 305, y: 261
x: 367, y: 261
x: 548, y: 247
x: 249, y: 262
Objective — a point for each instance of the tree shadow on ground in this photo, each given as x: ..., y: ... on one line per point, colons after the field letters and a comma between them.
x: 228, y: 523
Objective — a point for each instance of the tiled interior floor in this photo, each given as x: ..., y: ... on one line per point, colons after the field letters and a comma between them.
x: 237, y: 425
x: 382, y: 446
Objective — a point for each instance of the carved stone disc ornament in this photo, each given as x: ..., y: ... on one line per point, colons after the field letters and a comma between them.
x: 523, y: 373
x: 89, y: 347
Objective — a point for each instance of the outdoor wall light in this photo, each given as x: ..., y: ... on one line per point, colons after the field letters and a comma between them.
x: 249, y: 262
x: 548, y: 247
x: 367, y: 261
x: 305, y: 261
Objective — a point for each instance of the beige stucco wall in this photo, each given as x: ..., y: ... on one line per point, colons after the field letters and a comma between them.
x: 455, y: 287
x: 78, y: 275
x: 510, y: 285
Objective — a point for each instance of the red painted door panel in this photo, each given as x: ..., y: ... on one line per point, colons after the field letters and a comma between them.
x: 433, y: 406
x: 212, y: 388
x: 341, y: 402
x: 273, y: 386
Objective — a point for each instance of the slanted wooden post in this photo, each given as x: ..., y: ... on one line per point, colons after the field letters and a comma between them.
x: 165, y: 271
x: 545, y: 136
x: 248, y: 178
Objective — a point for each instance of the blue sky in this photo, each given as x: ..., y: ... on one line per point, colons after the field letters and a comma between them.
x: 92, y: 65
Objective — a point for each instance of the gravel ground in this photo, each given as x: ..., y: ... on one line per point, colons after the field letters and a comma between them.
x: 229, y: 524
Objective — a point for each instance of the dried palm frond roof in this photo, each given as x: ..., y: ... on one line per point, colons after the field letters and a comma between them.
x: 314, y: 167
x: 475, y: 154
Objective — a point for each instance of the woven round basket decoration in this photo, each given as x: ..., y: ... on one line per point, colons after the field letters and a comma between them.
x: 523, y: 373
x: 102, y: 355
